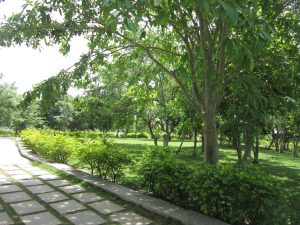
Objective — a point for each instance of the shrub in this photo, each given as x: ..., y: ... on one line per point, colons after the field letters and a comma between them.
x: 238, y: 195
x: 7, y: 133
x: 101, y: 157
x: 164, y: 175
x: 134, y: 135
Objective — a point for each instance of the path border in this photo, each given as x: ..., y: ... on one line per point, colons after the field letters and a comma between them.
x: 158, y: 206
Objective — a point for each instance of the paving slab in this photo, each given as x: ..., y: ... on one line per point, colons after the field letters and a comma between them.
x: 87, y: 197
x: 30, y: 182
x: 38, y: 189
x: 39, y: 172
x: 3, y: 176
x: 44, y: 218
x: 85, y: 218
x: 130, y: 218
x: 21, y: 177
x: 9, y: 188
x: 48, y: 177
x: 4, y: 181
x: 16, y: 172
x: 106, y: 207
x: 15, y: 197
x: 8, y: 167
x: 5, y: 219
x: 22, y: 208
x: 59, y: 183
x: 52, y: 197
x: 72, y: 189
x: 67, y: 206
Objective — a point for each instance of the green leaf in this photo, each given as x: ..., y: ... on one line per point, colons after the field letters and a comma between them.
x: 230, y: 11
x: 131, y: 25
x: 162, y: 18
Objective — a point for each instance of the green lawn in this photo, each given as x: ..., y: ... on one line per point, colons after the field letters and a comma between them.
x: 280, y: 165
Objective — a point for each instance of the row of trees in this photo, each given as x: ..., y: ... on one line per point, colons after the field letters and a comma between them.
x: 169, y: 59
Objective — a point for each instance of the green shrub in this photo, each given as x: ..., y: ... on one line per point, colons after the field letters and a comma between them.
x: 101, y: 157
x: 54, y: 146
x: 134, y: 135
x: 164, y: 175
x: 7, y: 133
x: 238, y: 195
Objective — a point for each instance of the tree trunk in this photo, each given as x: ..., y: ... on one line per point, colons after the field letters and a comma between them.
x: 248, y: 144
x: 202, y: 141
x: 152, y: 133
x: 180, y: 146
x: 296, y: 148
x: 256, y: 150
x: 167, y: 134
x: 210, y: 137
x: 237, y: 144
x: 195, y: 142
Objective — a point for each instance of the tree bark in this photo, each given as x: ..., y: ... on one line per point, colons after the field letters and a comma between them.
x: 152, y: 133
x: 210, y: 138
x: 195, y: 142
x: 237, y: 143
x: 256, y: 150
x: 248, y: 144
x: 296, y: 148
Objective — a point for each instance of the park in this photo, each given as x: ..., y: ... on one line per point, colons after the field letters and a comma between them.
x: 193, y: 103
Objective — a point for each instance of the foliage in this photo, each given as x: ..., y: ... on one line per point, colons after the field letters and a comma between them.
x: 51, y: 145
x: 98, y: 154
x: 9, y: 100
x: 238, y: 195
x: 134, y: 135
x: 6, y: 133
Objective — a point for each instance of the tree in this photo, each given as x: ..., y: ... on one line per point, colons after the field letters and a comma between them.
x: 205, y: 37
x: 9, y: 100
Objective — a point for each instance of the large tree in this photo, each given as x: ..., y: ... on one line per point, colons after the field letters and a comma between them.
x: 192, y: 41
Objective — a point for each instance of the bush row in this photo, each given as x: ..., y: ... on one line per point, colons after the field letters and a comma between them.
x: 7, y: 133
x: 99, y: 155
x: 238, y: 195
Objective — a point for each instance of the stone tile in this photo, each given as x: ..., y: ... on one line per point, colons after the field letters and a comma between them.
x: 67, y: 206
x: 59, y: 183
x: 130, y: 218
x: 87, y: 197
x: 38, y: 189
x: 8, y: 167
x: 15, y: 197
x: 30, y: 182
x: 21, y: 176
x: 22, y: 208
x: 16, y: 172
x: 52, y: 197
x: 48, y: 177
x: 2, y: 176
x: 9, y: 188
x: 72, y: 189
x: 44, y: 218
x: 39, y: 172
x: 85, y: 218
x: 5, y: 181
x: 5, y: 219
x: 106, y: 207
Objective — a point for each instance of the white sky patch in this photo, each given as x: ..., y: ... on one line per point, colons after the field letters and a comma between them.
x: 26, y: 66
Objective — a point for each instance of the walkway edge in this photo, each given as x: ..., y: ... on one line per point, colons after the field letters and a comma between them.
x: 158, y: 206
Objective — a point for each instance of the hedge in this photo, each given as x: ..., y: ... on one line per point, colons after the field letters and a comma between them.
x: 240, y: 195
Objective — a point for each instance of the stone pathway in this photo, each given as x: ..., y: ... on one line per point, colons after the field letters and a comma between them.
x: 30, y: 195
